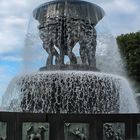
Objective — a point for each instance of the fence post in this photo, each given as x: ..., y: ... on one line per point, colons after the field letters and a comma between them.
x: 56, y: 127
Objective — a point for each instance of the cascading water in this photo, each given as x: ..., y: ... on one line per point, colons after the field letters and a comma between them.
x: 108, y: 57
x: 30, y: 50
x: 73, y: 88
x: 72, y: 92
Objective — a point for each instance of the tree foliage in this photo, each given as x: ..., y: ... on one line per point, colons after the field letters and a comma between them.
x: 129, y: 45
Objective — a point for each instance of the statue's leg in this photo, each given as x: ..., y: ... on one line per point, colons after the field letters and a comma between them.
x: 71, y: 55
x: 56, y: 58
x: 47, y: 47
x: 60, y: 56
x: 83, y: 51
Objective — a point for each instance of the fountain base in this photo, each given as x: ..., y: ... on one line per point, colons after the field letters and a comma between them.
x: 79, y: 67
x: 67, y: 92
x: 79, y: 92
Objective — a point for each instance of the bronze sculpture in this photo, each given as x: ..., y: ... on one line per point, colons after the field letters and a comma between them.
x: 63, y: 23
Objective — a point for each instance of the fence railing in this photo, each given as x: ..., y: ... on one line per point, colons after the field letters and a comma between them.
x: 24, y: 126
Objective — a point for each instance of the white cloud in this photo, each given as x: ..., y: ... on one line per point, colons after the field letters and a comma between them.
x: 121, y: 16
x: 11, y: 58
x: 121, y: 6
x: 14, y: 20
x: 126, y: 6
x: 8, y: 42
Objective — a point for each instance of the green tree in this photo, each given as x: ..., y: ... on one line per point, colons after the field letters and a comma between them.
x: 129, y: 45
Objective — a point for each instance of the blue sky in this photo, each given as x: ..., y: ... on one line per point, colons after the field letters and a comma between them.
x: 122, y: 16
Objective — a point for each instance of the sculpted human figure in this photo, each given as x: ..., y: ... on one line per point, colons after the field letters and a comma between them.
x: 87, y: 43
x: 48, y: 45
x: 54, y: 34
x: 83, y: 32
x: 64, y: 44
x: 64, y: 33
x: 66, y: 23
x: 72, y: 38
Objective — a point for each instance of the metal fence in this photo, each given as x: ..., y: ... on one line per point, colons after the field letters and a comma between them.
x: 15, y: 123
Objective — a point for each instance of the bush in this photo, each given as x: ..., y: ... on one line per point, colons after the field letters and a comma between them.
x: 129, y: 45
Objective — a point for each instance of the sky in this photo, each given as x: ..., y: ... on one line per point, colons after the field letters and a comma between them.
x: 122, y: 16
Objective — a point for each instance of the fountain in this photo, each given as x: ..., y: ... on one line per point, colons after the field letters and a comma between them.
x: 69, y: 88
